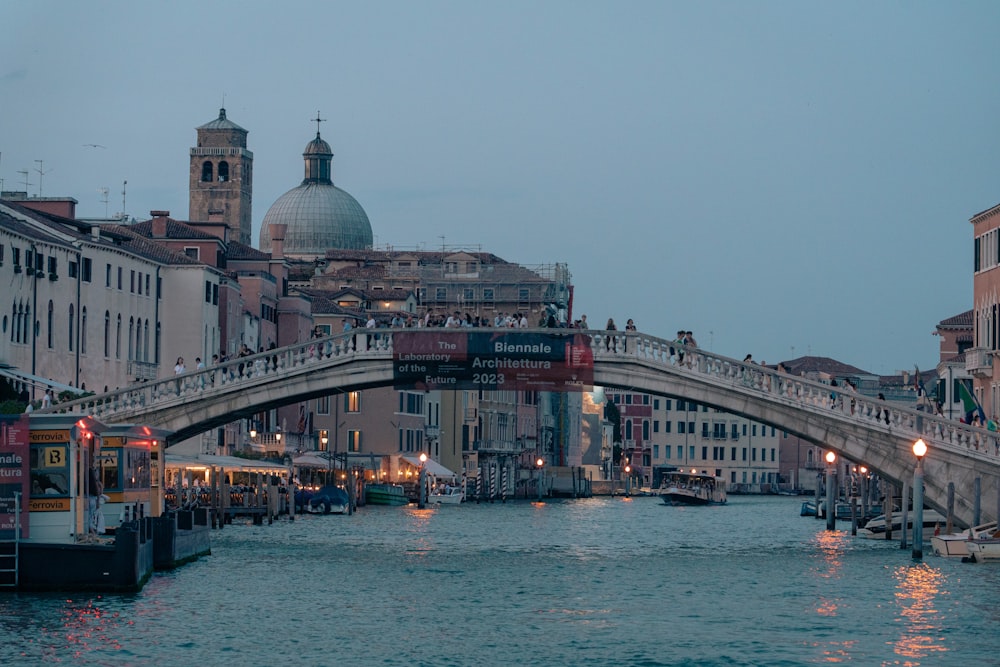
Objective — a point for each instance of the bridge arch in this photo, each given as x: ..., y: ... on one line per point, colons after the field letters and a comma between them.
x: 853, y: 426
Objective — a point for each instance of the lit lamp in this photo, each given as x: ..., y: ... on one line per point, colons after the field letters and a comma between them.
x: 628, y: 480
x: 277, y: 438
x: 539, y: 463
x: 421, y: 481
x: 831, y: 505
x: 919, y: 450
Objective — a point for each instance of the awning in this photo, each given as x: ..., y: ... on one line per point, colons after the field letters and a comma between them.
x: 312, y: 461
x: 19, y: 375
x: 227, y: 462
x: 431, y: 466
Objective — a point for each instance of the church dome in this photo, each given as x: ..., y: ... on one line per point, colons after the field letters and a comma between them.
x: 317, y: 214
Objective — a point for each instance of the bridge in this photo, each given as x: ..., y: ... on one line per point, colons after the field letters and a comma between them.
x: 855, y: 426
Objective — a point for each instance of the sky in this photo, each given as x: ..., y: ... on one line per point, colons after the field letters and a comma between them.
x: 781, y: 178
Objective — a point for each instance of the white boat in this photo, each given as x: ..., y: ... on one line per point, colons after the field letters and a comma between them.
x: 952, y: 545
x: 692, y: 488
x: 875, y: 529
x: 449, y: 495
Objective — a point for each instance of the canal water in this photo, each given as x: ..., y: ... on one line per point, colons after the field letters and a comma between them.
x: 600, y: 581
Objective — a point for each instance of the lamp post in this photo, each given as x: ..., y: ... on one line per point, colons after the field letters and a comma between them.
x: 831, y: 505
x: 538, y: 464
x: 277, y: 439
x: 919, y: 450
x: 628, y: 480
x: 323, y: 441
x: 421, y: 479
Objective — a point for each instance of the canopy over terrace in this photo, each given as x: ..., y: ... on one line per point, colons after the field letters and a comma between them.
x: 432, y: 467
x: 201, y: 464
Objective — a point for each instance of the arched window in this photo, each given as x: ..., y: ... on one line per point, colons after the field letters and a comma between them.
x: 157, y: 351
x: 83, y: 330
x: 28, y: 323
x: 145, y: 342
x: 206, y: 171
x: 107, y: 334
x: 71, y: 323
x: 15, y: 323
x: 131, y: 330
x: 118, y: 338
x: 48, y: 328
x: 223, y: 171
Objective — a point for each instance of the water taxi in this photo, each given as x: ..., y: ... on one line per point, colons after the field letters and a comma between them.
x: 692, y: 488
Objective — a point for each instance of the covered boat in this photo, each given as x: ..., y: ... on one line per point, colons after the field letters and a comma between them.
x: 692, y: 488
x: 385, y: 494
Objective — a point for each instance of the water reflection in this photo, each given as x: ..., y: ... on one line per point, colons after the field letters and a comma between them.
x: 830, y: 547
x: 917, y: 592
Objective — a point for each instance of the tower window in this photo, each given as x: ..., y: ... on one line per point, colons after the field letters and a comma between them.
x: 206, y: 172
x: 223, y: 171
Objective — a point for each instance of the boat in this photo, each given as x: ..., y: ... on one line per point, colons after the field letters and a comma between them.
x: 385, y: 494
x: 808, y: 508
x: 875, y: 529
x: 449, y: 495
x: 692, y: 488
x: 983, y: 548
x: 327, y: 500
x: 952, y: 545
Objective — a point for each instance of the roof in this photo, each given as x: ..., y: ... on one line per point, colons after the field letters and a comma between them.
x: 221, y: 123
x: 175, y: 230
x: 430, y: 465
x: 238, y: 251
x: 960, y: 321
x: 807, y: 364
x: 149, y: 248
x: 318, y: 216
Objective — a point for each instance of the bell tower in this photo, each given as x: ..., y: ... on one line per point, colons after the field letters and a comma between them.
x: 220, y: 185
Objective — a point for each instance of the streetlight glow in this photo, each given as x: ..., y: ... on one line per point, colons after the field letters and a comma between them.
x: 539, y: 462
x: 423, y: 457
x: 830, y: 457
x: 919, y: 448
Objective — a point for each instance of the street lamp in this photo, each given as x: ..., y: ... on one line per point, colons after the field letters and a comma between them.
x: 831, y: 505
x: 919, y: 450
x: 628, y: 480
x: 421, y: 479
x: 539, y: 463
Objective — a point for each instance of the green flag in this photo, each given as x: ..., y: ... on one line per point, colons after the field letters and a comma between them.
x: 969, y: 403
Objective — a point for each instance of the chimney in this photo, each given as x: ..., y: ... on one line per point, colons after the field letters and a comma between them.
x: 277, y: 240
x: 160, y: 223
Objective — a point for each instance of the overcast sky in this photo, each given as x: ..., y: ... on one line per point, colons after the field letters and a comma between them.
x: 782, y: 178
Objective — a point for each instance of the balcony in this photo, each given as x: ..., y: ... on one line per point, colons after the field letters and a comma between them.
x: 979, y: 362
x: 142, y: 370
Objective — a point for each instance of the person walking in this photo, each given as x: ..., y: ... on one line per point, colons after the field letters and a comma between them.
x: 179, y: 366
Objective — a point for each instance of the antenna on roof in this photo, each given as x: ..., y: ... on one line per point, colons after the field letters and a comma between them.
x: 41, y: 174
x: 104, y: 198
x: 124, y: 183
x: 24, y: 172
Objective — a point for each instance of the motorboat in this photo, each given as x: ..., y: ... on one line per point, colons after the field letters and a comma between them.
x: 692, y: 488
x: 327, y: 500
x: 808, y: 508
x: 448, y: 495
x: 875, y: 529
x: 952, y: 545
x: 984, y: 548
x: 386, y: 494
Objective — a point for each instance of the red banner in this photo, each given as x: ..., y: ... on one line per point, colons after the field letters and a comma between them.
x: 14, y: 473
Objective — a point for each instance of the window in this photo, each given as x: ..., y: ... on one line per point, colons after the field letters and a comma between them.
x: 107, y: 334
x: 487, y: 293
x: 131, y: 286
x: 147, y: 284
x: 1, y: 253
x: 15, y: 254
x: 681, y: 427
x: 83, y: 330
x: 411, y: 403
x: 704, y: 429
x: 468, y: 294
x: 118, y: 338
x: 215, y: 295
x: 523, y: 294
x: 206, y: 172
x: 107, y: 275
x: 71, y: 324
x: 87, y: 265
x: 208, y: 292
x: 735, y: 432
x: 323, y: 405
x: 354, y: 441
x: 53, y: 267
x: 223, y: 171
x: 70, y: 271
x: 666, y: 426
x: 192, y: 252
x: 441, y: 293
x: 120, y: 271
x: 352, y: 401
x: 48, y: 328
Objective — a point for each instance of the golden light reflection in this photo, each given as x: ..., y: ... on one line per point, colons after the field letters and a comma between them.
x: 919, y: 586
x: 830, y: 546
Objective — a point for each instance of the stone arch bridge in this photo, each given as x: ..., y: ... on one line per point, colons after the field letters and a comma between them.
x: 852, y: 426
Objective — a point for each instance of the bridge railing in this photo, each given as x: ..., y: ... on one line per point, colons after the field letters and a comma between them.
x: 810, y: 394
x: 228, y: 375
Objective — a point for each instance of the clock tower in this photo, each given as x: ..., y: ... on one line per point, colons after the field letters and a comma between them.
x: 221, y: 179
